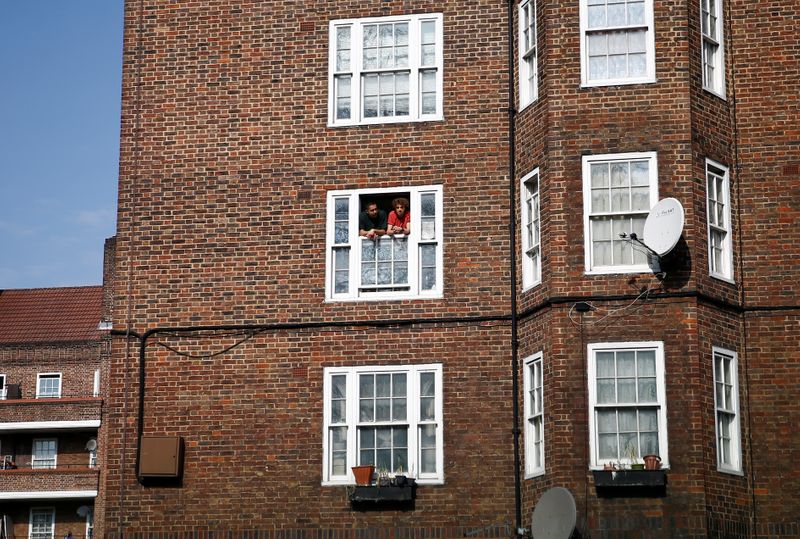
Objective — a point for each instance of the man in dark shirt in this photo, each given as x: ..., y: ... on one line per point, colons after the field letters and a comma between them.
x: 372, y: 223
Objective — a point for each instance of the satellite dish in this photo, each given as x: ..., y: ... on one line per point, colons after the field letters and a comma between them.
x: 554, y: 515
x: 91, y: 445
x: 663, y: 226
x: 82, y: 511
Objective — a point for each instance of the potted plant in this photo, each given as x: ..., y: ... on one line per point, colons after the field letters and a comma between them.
x: 652, y: 462
x: 400, y: 480
x: 633, y: 455
x: 383, y: 478
x: 363, y: 474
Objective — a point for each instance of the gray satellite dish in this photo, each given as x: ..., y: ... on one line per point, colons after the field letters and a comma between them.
x: 82, y: 511
x: 663, y: 226
x: 91, y: 445
x: 554, y: 515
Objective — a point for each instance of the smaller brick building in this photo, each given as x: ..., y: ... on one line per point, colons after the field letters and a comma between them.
x: 53, y: 350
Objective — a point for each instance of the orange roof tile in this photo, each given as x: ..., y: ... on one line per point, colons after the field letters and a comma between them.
x: 39, y: 315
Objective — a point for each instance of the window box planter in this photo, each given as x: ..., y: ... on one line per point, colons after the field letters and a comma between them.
x: 377, y: 494
x: 630, y: 482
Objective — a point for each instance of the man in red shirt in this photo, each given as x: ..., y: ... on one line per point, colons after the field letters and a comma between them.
x: 399, y: 217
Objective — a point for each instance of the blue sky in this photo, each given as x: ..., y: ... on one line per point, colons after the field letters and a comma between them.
x: 60, y: 71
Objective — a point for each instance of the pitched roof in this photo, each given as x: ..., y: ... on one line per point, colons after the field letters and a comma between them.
x: 39, y: 315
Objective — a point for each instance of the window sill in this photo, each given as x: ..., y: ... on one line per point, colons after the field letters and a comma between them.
x: 612, y: 270
x: 715, y: 93
x: 618, y: 82
x: 386, y: 121
x: 721, y: 277
x: 384, y: 297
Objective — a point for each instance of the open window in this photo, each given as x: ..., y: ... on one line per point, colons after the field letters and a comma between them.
x: 396, y: 266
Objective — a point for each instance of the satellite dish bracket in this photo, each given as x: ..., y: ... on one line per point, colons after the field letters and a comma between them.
x: 633, y: 237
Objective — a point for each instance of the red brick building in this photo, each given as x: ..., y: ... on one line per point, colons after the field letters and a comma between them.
x: 53, y: 351
x: 517, y: 338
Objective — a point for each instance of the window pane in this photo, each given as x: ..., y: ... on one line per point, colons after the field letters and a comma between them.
x: 626, y: 390
x: 401, y: 461
x: 647, y: 390
x: 601, y: 229
x: 626, y: 363
x: 342, y: 258
x: 399, y: 411
x: 648, y: 421
x: 627, y: 421
x: 606, y: 421
x: 427, y: 384
x: 428, y: 255
x: 597, y: 16
x: 605, y: 364
x: 636, y: 13
x: 383, y: 385
x: 399, y: 385
x: 428, y: 32
x: 598, y: 46
x: 598, y: 67
x: 637, y: 64
x: 646, y: 362
x: 383, y: 437
x: 599, y: 175
x: 605, y: 392
x: 382, y: 410
x: 616, y: 15
x: 401, y: 34
x: 649, y: 442
x: 367, y: 410
x: 607, y: 446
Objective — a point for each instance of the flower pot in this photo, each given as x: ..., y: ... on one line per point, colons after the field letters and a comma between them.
x: 637, y: 466
x: 652, y: 462
x: 363, y: 474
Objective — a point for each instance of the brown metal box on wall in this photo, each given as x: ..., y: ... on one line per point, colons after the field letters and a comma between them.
x: 161, y: 456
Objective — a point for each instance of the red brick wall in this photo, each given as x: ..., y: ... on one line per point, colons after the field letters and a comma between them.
x: 221, y: 220
x: 766, y: 71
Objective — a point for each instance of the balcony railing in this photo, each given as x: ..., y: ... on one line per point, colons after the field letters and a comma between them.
x: 18, y: 392
x: 24, y: 481
x: 41, y: 465
x: 78, y: 409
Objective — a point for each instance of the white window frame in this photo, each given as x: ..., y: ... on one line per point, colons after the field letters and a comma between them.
x: 96, y: 383
x: 3, y: 390
x: 531, y: 253
x: 37, y: 458
x: 729, y: 359
x: 648, y: 26
x: 528, y: 56
x: 90, y: 523
x: 414, y: 68
x: 355, y: 243
x: 51, y: 512
x: 48, y: 375
x: 595, y: 462
x: 709, y: 9
x: 719, y: 171
x: 588, y: 160
x: 533, y: 380
x: 412, y: 414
